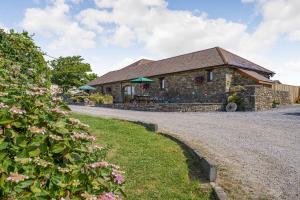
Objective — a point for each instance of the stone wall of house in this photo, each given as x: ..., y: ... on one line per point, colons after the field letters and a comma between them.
x: 168, y: 107
x: 238, y: 79
x: 113, y: 89
x: 259, y: 98
x: 185, y: 87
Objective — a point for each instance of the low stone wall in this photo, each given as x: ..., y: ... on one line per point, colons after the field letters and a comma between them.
x: 168, y: 107
x: 259, y: 98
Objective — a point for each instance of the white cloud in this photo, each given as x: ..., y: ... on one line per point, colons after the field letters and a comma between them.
x: 54, y: 22
x: 91, y: 18
x: 150, y: 24
x: 105, y: 3
x: 288, y: 72
x: 123, y: 36
x: 77, y: 1
x: 159, y: 29
x: 280, y: 17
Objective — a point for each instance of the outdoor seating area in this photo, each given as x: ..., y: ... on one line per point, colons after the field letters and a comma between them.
x: 143, y: 99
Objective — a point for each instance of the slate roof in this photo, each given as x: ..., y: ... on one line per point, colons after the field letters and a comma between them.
x: 201, y: 59
x: 259, y: 78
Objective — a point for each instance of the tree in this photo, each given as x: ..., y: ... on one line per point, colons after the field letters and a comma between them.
x: 44, y: 154
x: 71, y: 71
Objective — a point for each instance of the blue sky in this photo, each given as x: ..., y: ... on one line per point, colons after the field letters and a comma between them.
x: 110, y: 34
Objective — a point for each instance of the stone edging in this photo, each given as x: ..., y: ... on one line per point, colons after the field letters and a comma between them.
x: 207, y: 166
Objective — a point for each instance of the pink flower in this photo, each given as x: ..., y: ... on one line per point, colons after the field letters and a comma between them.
x: 73, y: 121
x: 58, y: 111
x: 83, y: 136
x: 18, y: 111
x: 56, y: 137
x: 2, y: 94
x: 35, y: 91
x: 2, y: 105
x: 15, y: 177
x: 77, y: 122
x: 99, y: 164
x: 109, y: 196
x: 34, y: 129
x: 56, y: 99
x: 118, y: 178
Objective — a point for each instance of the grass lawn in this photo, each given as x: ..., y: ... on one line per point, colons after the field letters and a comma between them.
x: 156, y: 167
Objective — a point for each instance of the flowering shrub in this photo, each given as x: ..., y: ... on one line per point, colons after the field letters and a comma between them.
x: 45, y: 154
x: 100, y: 98
x: 235, y: 98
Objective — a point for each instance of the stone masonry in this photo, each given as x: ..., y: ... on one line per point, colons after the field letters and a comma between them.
x: 183, y: 87
x: 259, y: 98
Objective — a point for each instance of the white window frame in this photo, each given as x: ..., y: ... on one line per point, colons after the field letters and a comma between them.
x: 162, y: 83
x: 210, y: 76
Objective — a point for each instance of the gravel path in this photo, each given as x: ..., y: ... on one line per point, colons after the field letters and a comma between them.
x: 261, y: 150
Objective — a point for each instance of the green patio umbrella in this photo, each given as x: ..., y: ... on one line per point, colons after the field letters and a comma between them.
x: 141, y: 80
x: 86, y: 87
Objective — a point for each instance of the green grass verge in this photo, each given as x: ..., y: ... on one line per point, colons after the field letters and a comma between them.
x: 156, y: 167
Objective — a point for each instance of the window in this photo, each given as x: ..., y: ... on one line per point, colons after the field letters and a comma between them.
x: 228, y: 82
x: 108, y: 90
x: 101, y: 89
x: 199, y: 80
x: 210, y: 75
x: 162, y: 83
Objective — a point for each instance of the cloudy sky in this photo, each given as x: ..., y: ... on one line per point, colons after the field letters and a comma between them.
x: 110, y: 34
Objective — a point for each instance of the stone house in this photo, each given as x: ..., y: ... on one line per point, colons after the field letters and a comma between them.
x: 200, y: 77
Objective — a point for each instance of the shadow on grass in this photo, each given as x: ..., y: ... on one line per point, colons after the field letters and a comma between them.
x: 193, y: 163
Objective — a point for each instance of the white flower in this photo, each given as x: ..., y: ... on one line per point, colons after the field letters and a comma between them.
x: 64, y: 170
x: 35, y: 91
x: 2, y: 105
x: 34, y: 129
x: 22, y: 160
x: 15, y: 177
x: 58, y: 111
x: 3, y: 94
x: 41, y: 162
x: 83, y: 136
x: 18, y: 111
x: 56, y: 137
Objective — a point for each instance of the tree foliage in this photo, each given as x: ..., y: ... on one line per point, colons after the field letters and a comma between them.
x: 68, y: 72
x: 44, y: 154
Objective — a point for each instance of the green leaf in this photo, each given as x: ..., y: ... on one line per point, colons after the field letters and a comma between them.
x: 25, y: 184
x: 57, y: 148
x: 17, y: 124
x: 3, y: 145
x: 35, y: 188
x: 34, y: 153
x: 5, y: 121
x: 21, y: 141
x: 2, y: 155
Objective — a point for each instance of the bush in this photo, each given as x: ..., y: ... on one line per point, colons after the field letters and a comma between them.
x: 44, y: 154
x: 79, y: 99
x: 101, y: 99
x: 237, y: 88
x: 275, y: 103
x: 234, y: 98
x: 298, y: 100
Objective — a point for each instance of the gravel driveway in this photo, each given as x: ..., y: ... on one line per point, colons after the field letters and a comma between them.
x: 260, y: 150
